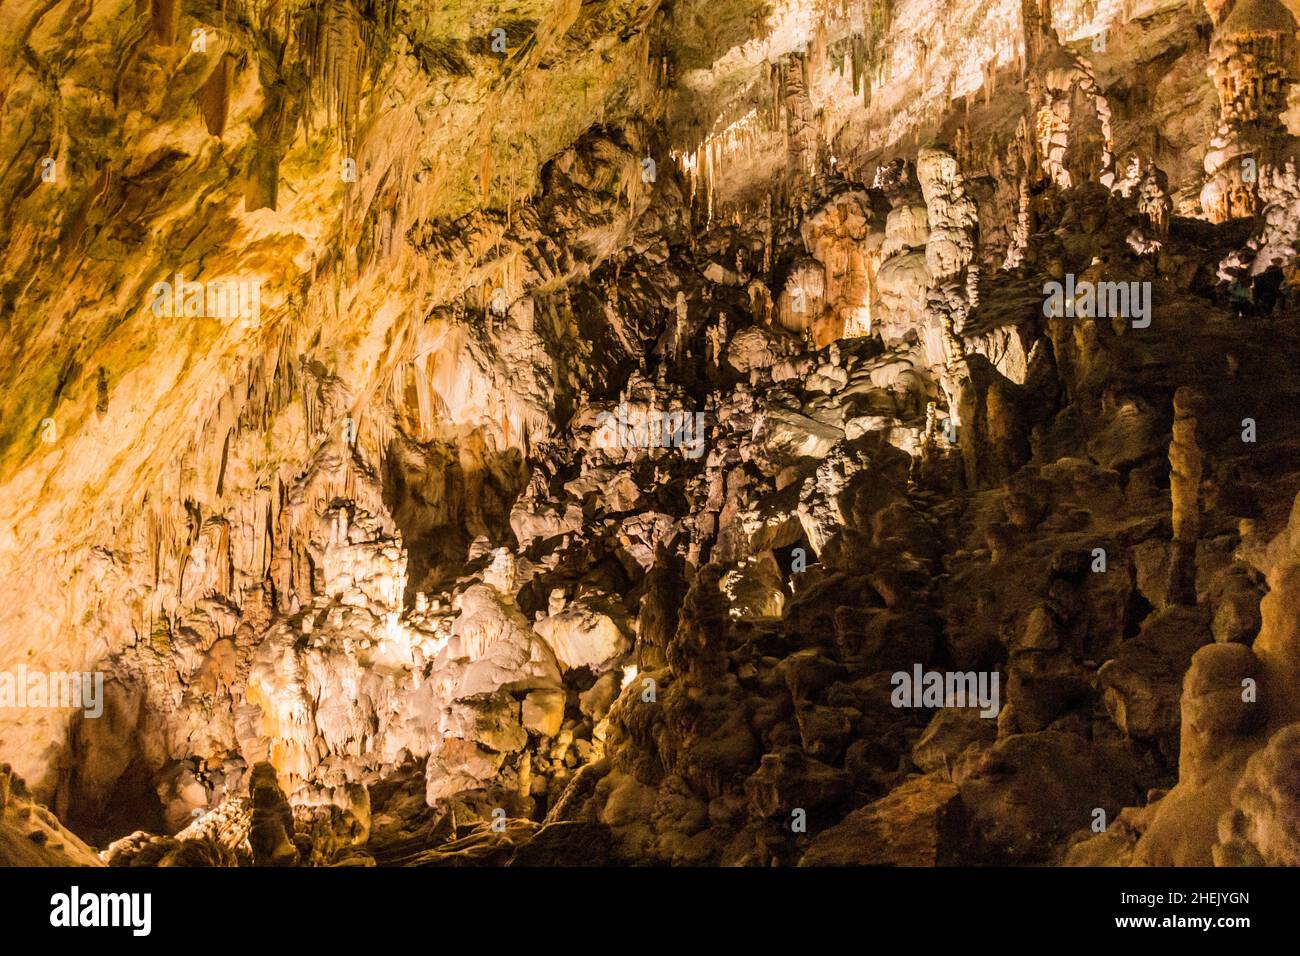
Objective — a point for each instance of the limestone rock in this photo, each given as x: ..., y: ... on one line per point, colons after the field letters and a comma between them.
x: 1142, y: 684
x: 1263, y: 826
x: 585, y: 635
x: 918, y: 824
x: 271, y: 832
x: 543, y: 712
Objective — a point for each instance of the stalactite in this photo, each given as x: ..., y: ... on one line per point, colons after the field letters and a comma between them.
x: 335, y: 40
x: 485, y: 174
x: 857, y: 57
x: 165, y: 16
x: 214, y: 97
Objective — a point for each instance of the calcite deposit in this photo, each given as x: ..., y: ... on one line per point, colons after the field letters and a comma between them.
x: 718, y: 432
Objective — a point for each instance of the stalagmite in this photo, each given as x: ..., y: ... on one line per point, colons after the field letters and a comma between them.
x: 1187, y: 467
x: 1251, y: 57
x: 949, y: 253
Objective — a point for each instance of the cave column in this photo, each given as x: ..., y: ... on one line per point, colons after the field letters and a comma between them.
x: 1251, y: 54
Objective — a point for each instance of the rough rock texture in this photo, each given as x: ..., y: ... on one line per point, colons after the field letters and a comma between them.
x: 30, y: 835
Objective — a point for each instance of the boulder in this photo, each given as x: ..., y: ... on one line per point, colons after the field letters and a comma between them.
x: 489, y: 719
x: 954, y: 736
x: 543, y: 712
x: 458, y: 765
x: 586, y: 634
x: 785, y: 436
x: 596, y: 700
x: 1027, y: 792
x: 917, y: 824
x: 1142, y: 684
x: 789, y: 780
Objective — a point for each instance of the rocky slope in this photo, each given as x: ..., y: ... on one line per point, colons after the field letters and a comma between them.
x: 551, y: 432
